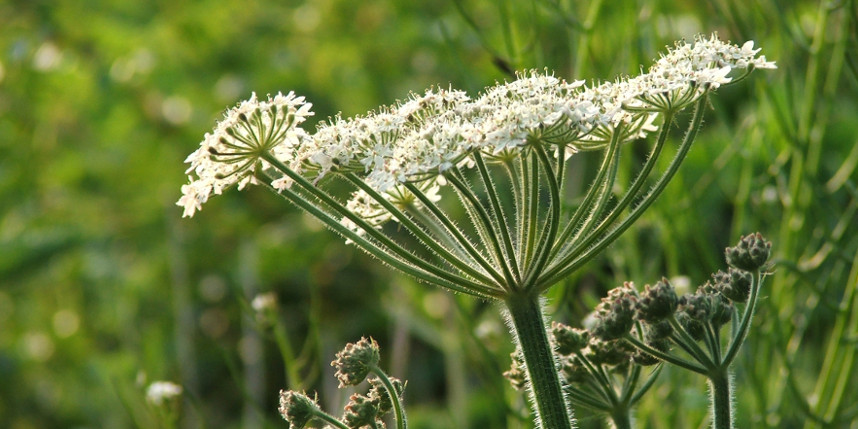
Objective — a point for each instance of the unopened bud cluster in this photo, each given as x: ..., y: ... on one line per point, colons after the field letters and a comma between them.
x: 356, y: 361
x: 643, y: 328
x: 354, y: 364
x: 750, y: 254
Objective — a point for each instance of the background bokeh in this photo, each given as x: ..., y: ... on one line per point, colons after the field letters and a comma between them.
x: 104, y: 288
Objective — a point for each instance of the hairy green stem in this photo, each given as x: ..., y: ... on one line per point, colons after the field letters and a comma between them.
x: 596, y: 242
x: 721, y: 395
x: 682, y: 363
x: 532, y: 214
x: 547, y: 239
x: 327, y: 418
x: 742, y: 332
x: 528, y: 327
x: 451, y: 228
x: 485, y: 224
x: 572, y: 226
x: 387, y: 251
x: 430, y: 242
x: 636, y: 185
x: 500, y: 216
x: 605, y: 185
x: 398, y: 409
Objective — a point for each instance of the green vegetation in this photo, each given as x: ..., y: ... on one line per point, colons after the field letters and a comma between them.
x: 104, y: 289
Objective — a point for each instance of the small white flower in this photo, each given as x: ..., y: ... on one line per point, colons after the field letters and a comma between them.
x: 161, y: 391
x: 264, y: 302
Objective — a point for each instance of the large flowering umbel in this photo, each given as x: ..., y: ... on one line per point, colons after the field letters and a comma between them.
x: 434, y: 131
x: 402, y: 159
x: 503, y: 156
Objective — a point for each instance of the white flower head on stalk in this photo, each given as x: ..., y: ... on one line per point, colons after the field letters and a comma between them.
x: 535, y: 104
x: 687, y: 71
x: 419, y: 137
x: 609, y: 100
x: 441, y: 134
x: 231, y: 155
x: 355, y: 145
x: 160, y: 392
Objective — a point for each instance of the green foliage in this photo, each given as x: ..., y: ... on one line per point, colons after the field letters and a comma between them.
x: 104, y: 289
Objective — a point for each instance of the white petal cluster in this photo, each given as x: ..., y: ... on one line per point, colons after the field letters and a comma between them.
x: 687, y: 71
x: 417, y: 140
x: 507, y: 114
x: 160, y: 392
x: 230, y: 155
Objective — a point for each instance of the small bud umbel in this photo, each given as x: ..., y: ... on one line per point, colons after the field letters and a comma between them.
x: 750, y: 254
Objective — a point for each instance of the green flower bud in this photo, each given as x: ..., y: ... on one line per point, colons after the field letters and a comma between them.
x: 735, y: 284
x: 574, y: 370
x: 355, y: 361
x: 658, y: 331
x: 709, y: 288
x: 379, y: 393
x: 614, y: 352
x: 360, y: 411
x: 721, y: 310
x: 569, y: 340
x: 657, y: 303
x: 693, y: 327
x: 750, y: 254
x: 297, y: 408
x: 693, y: 312
x: 516, y: 373
x: 615, y: 314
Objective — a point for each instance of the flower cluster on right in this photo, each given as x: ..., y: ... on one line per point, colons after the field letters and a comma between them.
x: 631, y: 329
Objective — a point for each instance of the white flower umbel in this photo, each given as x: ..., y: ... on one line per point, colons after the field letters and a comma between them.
x: 509, y: 113
x: 688, y: 70
x: 502, y: 155
x: 231, y: 155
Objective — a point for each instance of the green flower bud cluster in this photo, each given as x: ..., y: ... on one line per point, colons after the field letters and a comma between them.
x: 354, y: 364
x: 750, y: 254
x: 657, y: 303
x: 517, y: 373
x: 599, y: 369
x: 615, y: 314
x: 368, y: 410
x: 297, y: 408
x: 636, y: 329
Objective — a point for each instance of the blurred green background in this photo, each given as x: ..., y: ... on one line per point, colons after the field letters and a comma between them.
x: 104, y: 288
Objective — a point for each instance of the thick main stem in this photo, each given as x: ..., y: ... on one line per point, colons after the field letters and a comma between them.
x: 528, y: 327
x: 621, y: 418
x: 721, y: 396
